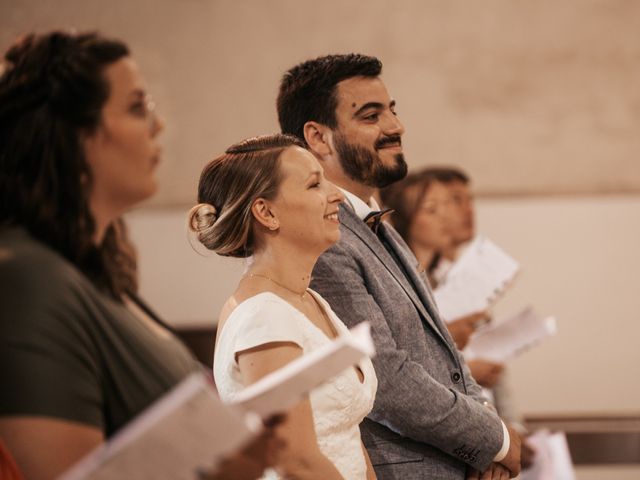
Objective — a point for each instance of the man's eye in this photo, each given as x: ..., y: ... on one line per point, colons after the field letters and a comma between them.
x: 372, y: 117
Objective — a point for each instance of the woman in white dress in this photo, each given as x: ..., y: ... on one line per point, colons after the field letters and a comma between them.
x: 267, y: 198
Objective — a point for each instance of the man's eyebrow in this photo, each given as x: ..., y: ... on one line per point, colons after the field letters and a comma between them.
x: 376, y: 105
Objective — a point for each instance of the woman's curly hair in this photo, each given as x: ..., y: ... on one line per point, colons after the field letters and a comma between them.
x: 52, y: 90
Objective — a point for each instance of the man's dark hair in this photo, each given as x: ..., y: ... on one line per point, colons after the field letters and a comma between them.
x: 308, y: 90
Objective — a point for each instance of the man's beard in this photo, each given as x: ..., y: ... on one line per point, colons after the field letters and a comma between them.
x: 365, y: 166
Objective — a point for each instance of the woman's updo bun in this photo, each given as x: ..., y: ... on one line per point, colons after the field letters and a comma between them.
x: 201, y: 219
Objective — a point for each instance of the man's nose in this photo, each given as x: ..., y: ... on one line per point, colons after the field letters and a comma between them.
x: 393, y: 125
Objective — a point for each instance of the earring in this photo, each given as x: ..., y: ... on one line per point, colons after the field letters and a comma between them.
x: 274, y: 225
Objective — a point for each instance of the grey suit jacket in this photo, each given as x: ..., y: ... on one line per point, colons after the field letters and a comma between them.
x: 429, y: 419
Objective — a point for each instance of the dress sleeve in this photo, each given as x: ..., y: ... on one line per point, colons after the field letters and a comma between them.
x: 47, y: 357
x: 267, y: 321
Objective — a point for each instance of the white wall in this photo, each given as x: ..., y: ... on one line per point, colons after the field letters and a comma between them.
x: 186, y: 284
x: 580, y: 262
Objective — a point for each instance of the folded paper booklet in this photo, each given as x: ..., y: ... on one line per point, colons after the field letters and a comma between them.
x: 475, y: 280
x: 187, y: 431
x: 511, y: 337
x: 190, y: 430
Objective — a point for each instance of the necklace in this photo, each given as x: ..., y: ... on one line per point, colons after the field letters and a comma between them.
x: 301, y: 295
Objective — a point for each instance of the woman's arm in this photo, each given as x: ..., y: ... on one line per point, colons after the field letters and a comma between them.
x: 43, y: 447
x: 371, y: 473
x: 301, y: 457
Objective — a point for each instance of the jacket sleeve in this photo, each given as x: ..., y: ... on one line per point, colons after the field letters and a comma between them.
x: 409, y: 400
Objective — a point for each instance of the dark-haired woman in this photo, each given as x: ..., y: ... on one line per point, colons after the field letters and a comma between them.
x: 80, y: 354
x: 267, y: 198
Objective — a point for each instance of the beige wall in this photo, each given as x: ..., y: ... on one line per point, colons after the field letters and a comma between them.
x: 580, y: 262
x: 528, y: 95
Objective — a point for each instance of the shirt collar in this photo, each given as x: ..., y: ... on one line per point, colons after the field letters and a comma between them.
x: 360, y: 208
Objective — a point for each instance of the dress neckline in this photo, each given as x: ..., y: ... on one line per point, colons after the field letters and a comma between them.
x: 321, y: 303
x: 327, y: 313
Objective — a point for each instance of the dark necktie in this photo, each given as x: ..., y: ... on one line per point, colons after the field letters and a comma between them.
x: 373, y: 219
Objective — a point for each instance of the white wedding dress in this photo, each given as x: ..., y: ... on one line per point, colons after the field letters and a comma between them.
x: 338, y: 406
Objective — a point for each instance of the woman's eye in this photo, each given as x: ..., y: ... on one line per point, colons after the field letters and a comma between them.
x: 315, y: 185
x: 139, y: 108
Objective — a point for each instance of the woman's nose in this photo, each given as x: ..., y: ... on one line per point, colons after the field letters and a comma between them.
x: 335, y: 195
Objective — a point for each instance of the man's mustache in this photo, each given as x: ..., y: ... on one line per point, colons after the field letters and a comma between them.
x: 389, y: 140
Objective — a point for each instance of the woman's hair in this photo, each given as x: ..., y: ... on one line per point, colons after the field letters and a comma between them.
x: 405, y: 196
x: 52, y: 90
x: 229, y: 185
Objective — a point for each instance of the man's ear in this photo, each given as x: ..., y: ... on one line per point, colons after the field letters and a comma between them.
x: 264, y: 215
x: 319, y: 138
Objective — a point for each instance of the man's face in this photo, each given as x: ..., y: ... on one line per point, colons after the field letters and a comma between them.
x: 368, y: 138
x: 461, y: 213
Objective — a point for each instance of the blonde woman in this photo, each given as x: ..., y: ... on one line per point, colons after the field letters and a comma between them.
x: 267, y: 198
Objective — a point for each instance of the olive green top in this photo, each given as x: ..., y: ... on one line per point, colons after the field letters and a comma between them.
x: 69, y: 351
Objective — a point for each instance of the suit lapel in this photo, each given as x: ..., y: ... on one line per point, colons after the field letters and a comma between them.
x: 350, y: 220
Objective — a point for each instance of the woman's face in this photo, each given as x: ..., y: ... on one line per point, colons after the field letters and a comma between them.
x: 306, y: 207
x: 428, y: 228
x: 123, y: 152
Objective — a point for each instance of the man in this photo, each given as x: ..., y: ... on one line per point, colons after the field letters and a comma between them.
x: 429, y: 419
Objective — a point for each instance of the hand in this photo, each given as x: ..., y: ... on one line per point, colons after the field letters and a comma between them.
x: 512, y: 460
x: 462, y: 328
x: 527, y: 454
x: 251, y: 461
x: 486, y: 373
x: 494, y: 472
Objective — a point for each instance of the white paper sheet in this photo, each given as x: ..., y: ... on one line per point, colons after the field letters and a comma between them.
x: 552, y: 460
x: 504, y: 340
x: 475, y: 280
x: 186, y: 431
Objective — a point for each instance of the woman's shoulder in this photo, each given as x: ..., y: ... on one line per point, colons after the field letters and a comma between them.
x: 261, y: 318
x: 37, y: 281
x: 26, y: 260
x: 260, y: 307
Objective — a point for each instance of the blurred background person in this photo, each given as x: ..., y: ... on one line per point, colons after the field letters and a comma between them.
x: 267, y: 198
x: 81, y: 354
x: 459, y: 216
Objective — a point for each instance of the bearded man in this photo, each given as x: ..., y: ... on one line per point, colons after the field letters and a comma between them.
x: 429, y: 419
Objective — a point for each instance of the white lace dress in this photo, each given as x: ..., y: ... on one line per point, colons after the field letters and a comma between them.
x: 338, y: 406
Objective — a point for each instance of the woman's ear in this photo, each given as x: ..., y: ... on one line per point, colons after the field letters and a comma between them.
x: 319, y: 138
x: 264, y: 215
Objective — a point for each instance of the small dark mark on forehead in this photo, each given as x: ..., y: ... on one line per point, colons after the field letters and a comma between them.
x: 353, y: 105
